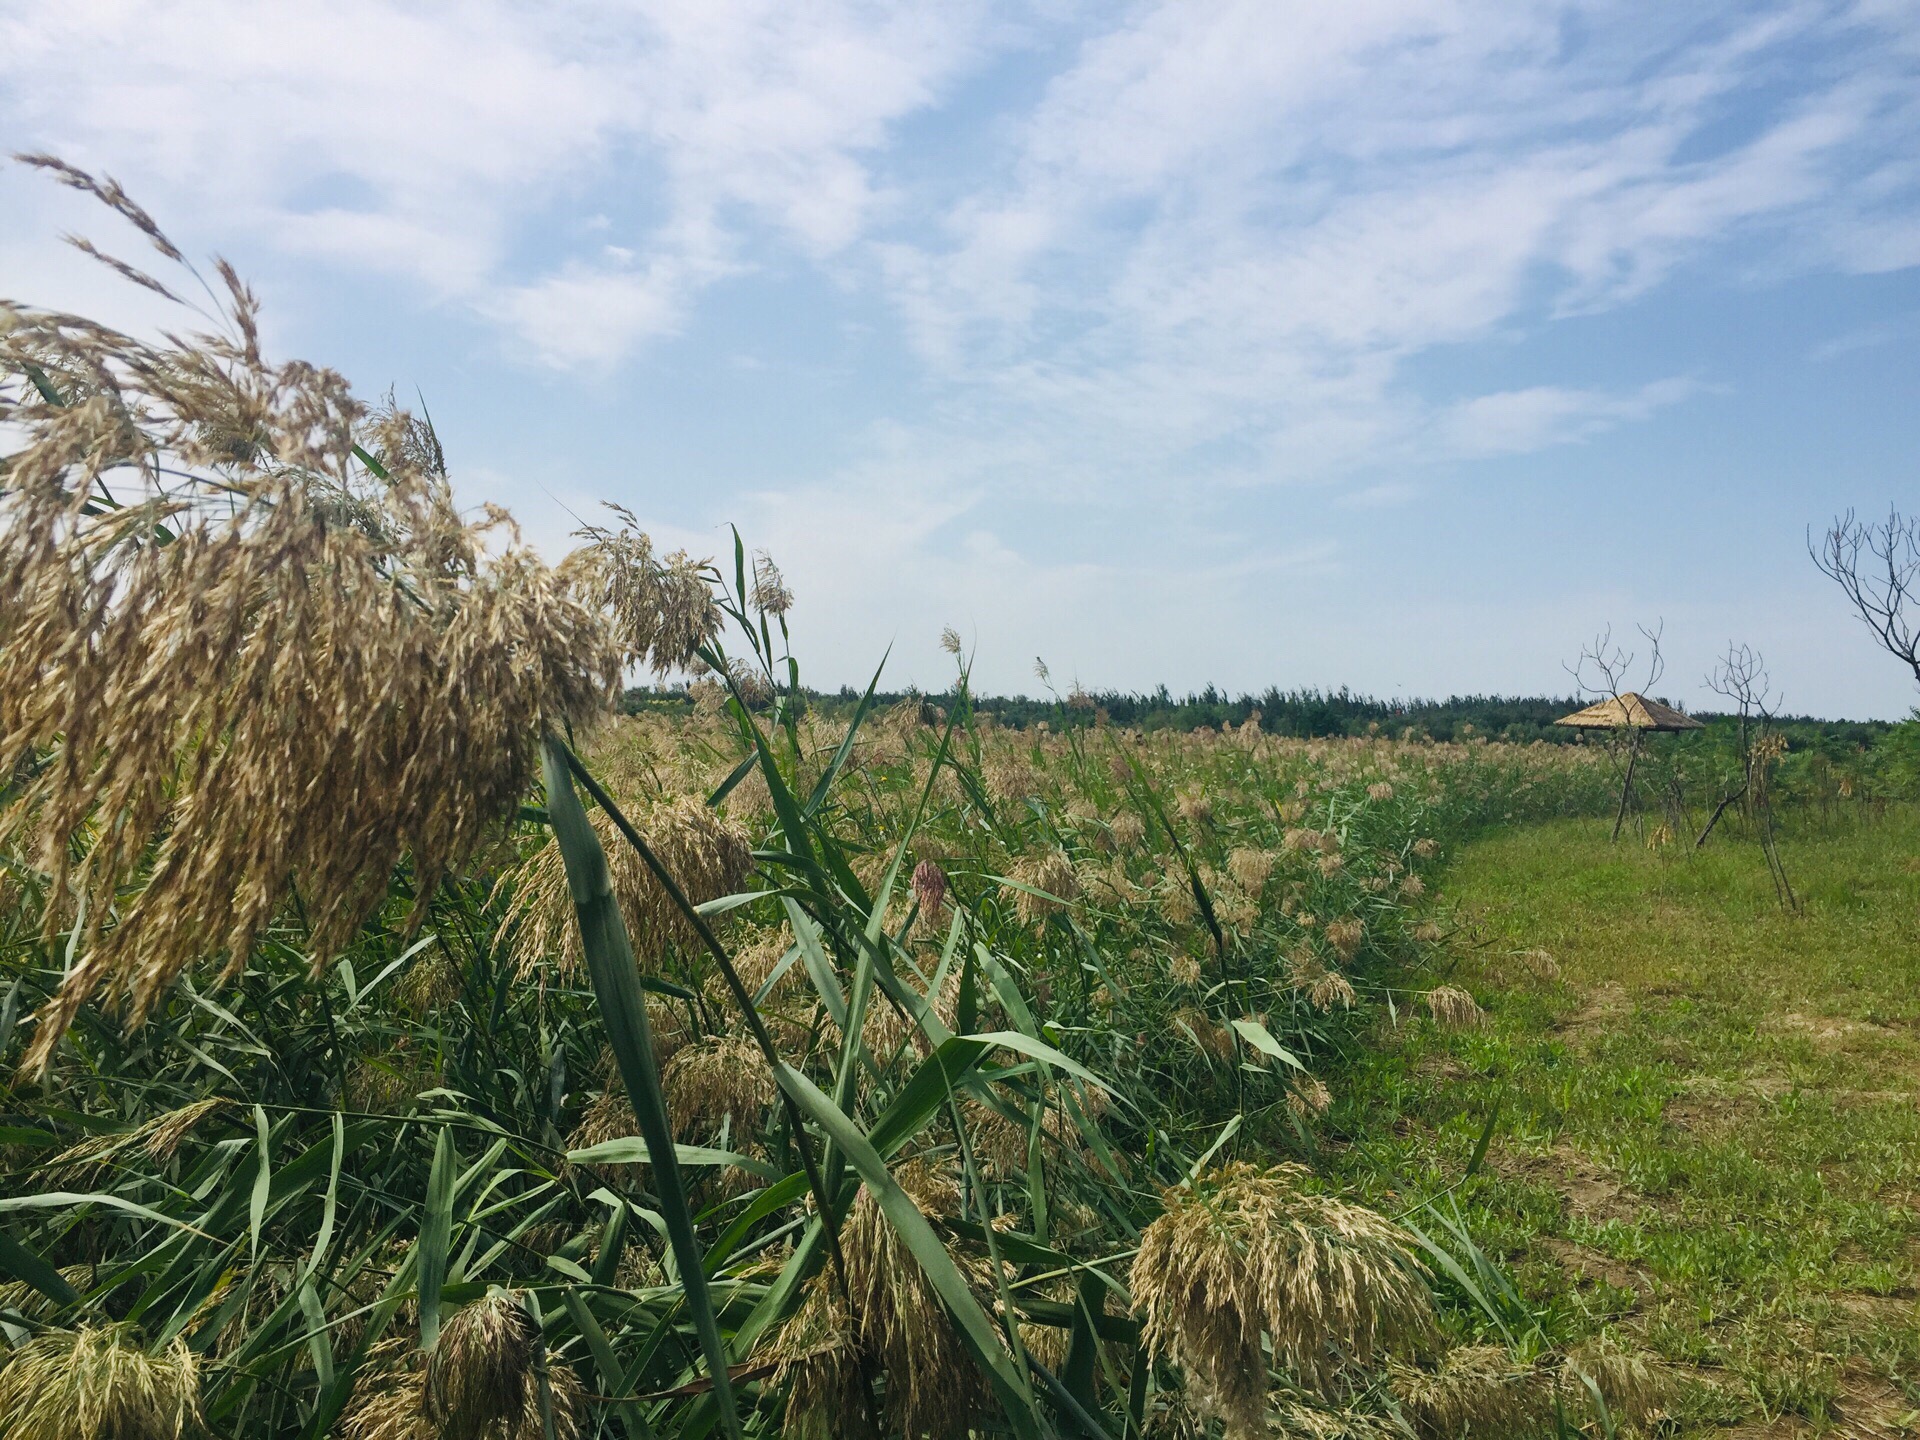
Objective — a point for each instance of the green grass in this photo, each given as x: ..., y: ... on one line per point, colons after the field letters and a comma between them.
x: 1707, y: 1140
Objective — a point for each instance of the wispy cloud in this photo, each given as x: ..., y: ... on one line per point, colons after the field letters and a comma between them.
x: 457, y: 129
x: 1215, y: 229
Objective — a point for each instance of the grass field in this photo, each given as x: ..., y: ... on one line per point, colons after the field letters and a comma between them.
x: 1706, y: 1140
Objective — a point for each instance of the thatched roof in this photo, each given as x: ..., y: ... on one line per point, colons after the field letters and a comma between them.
x: 1630, y: 711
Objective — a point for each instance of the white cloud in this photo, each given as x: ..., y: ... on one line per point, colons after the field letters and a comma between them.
x: 1241, y: 221
x: 452, y: 126
x: 1517, y: 422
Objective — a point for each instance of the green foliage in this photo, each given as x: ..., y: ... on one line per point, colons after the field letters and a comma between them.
x: 1146, y: 937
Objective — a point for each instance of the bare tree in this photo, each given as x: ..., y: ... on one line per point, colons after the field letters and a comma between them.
x: 1741, y: 677
x: 1878, y: 566
x: 1599, y: 671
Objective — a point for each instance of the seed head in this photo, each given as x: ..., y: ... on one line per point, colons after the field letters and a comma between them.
x: 482, y: 1360
x: 1474, y: 1390
x: 481, y: 1367
x: 1250, y: 869
x: 1309, y: 1097
x: 760, y: 955
x: 1345, y: 937
x: 268, y: 669
x: 716, y: 1084
x: 930, y: 888
x: 1050, y: 873
x: 770, y: 593
x: 1453, y: 1008
x: 933, y: 1387
x: 1246, y: 1250
x: 1176, y: 901
x: 707, y: 853
x: 661, y: 611
x: 96, y: 1382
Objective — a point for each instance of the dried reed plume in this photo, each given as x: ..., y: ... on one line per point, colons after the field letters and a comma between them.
x: 662, y: 611
x: 706, y: 852
x: 1484, y: 1390
x: 723, y: 1082
x: 1250, y: 869
x: 1246, y: 1250
x: 1051, y: 873
x: 273, y: 668
x: 1345, y: 937
x: 95, y: 1383
x: 1176, y: 901
x: 395, y: 1399
x: 1196, y: 809
x: 1474, y: 1390
x: 770, y: 593
x: 930, y: 889
x: 1453, y: 1008
x: 482, y: 1380
x: 160, y: 1137
x: 1326, y: 989
x: 1309, y: 1097
x: 760, y: 955
x: 932, y: 1387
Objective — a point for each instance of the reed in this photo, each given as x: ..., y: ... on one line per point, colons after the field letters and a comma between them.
x: 417, y: 1070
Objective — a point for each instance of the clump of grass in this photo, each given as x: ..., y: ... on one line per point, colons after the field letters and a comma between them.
x: 1123, y: 925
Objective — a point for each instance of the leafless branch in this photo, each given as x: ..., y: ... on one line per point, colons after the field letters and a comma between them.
x: 1878, y: 566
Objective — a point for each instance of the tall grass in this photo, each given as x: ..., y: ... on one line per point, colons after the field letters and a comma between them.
x: 400, y: 1046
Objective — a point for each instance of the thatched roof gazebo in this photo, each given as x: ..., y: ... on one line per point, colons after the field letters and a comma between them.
x: 1635, y: 713
x: 1631, y: 711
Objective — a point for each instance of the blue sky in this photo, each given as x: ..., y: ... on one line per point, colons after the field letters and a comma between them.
x: 1398, y: 344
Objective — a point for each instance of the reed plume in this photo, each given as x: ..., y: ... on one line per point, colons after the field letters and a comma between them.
x: 96, y: 1383
x: 1246, y: 1250
x: 1453, y: 1008
x: 706, y: 852
x: 248, y: 649
x: 932, y: 1387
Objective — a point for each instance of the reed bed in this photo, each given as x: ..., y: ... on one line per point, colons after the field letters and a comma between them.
x: 399, y: 1043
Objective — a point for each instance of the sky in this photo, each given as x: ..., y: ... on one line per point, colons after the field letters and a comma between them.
x: 1395, y: 344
